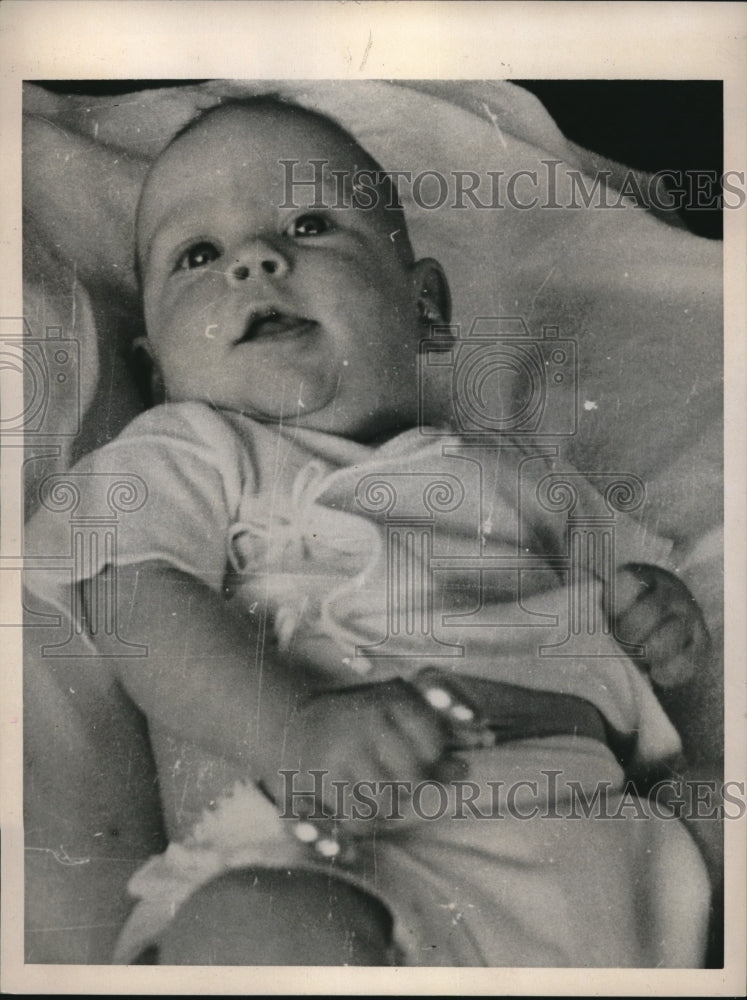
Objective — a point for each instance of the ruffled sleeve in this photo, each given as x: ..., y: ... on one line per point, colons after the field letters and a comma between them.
x: 166, y: 490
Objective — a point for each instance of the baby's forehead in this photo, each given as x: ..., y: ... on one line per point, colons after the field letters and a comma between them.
x: 287, y: 156
x: 264, y: 145
x: 232, y: 132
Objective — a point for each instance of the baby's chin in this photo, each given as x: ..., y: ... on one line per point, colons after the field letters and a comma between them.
x: 327, y: 420
x: 279, y: 400
x: 297, y: 415
x: 364, y: 427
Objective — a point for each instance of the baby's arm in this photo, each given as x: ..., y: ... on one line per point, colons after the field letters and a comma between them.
x: 216, y: 679
x: 653, y: 610
x: 197, y: 679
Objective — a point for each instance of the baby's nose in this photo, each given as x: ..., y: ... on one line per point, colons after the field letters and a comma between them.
x: 257, y: 260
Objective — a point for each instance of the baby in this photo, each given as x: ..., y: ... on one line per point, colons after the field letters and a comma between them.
x: 285, y: 330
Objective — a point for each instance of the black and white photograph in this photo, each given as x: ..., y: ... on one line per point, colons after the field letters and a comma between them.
x: 370, y: 538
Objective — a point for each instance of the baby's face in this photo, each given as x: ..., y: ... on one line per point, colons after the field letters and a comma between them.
x: 300, y: 314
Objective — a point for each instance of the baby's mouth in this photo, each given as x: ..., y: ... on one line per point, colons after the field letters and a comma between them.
x: 268, y: 324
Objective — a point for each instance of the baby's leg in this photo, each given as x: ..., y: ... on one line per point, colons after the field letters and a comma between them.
x: 278, y: 917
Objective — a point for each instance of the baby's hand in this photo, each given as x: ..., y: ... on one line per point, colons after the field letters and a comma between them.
x: 378, y: 733
x: 656, y: 610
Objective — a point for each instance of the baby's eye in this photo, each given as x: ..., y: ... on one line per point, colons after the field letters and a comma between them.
x: 198, y: 255
x: 309, y: 225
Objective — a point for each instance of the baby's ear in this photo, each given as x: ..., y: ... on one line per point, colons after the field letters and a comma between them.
x: 148, y: 372
x: 432, y: 292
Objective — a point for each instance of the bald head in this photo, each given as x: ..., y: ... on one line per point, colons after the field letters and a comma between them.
x: 276, y: 281
x: 309, y: 161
